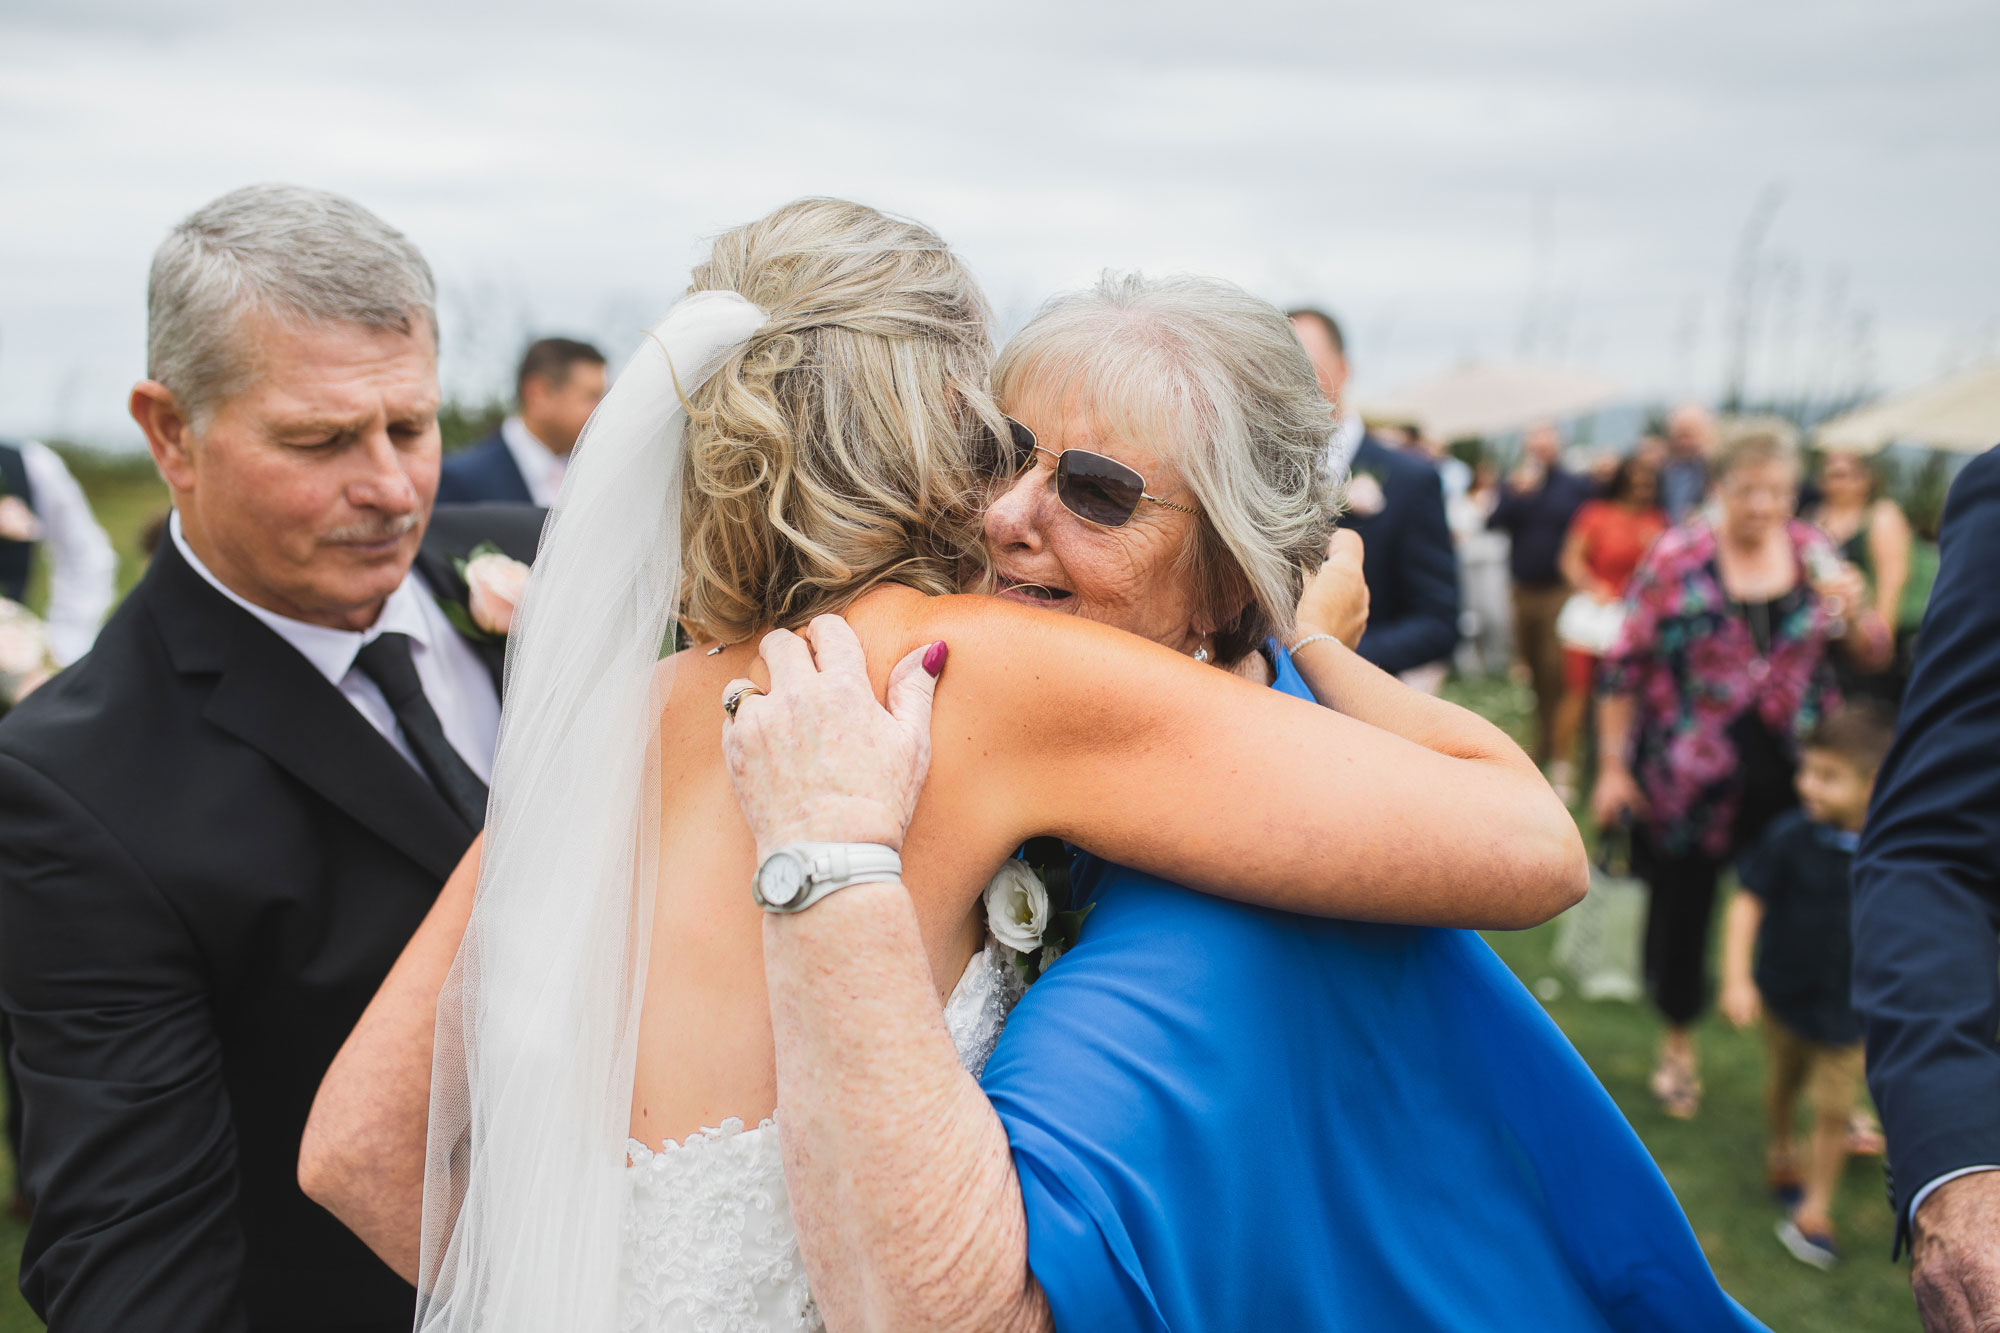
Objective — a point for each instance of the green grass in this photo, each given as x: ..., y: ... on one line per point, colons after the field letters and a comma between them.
x: 1714, y: 1163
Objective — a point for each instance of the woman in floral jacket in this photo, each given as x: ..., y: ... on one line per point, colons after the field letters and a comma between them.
x: 1720, y: 668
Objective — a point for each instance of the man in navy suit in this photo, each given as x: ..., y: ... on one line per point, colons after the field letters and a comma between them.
x: 558, y: 386
x: 1927, y: 929
x: 1396, y: 506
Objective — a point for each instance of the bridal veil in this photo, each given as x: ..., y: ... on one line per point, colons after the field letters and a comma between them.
x: 537, y: 1025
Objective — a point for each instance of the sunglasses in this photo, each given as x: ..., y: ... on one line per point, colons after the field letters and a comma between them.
x: 1095, y: 488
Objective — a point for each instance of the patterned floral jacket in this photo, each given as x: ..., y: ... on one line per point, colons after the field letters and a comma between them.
x: 1690, y: 665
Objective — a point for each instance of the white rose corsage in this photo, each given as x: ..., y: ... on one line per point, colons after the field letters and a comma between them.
x: 494, y: 582
x: 1022, y: 922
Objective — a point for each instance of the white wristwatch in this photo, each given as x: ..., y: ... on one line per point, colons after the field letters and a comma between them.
x: 799, y: 874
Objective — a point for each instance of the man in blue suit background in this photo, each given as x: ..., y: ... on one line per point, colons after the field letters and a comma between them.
x: 1396, y: 506
x: 1927, y: 929
x: 558, y: 386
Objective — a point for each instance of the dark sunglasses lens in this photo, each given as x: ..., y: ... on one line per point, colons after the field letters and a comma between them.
x: 1096, y: 488
x: 1004, y: 456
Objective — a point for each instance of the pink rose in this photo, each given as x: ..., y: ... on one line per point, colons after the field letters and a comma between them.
x: 1364, y: 495
x: 496, y: 582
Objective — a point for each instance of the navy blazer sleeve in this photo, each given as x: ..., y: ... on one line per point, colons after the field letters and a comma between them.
x: 1927, y: 878
x: 1426, y: 577
x: 129, y: 1149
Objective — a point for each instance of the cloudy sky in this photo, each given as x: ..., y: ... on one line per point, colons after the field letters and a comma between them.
x: 1562, y: 179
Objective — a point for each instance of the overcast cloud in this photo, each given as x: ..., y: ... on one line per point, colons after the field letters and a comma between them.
x: 1562, y: 179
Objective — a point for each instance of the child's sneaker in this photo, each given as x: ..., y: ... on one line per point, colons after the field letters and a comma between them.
x: 1807, y: 1248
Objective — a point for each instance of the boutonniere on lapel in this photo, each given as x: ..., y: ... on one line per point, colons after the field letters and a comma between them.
x: 1363, y: 495
x: 1019, y: 918
x: 493, y: 584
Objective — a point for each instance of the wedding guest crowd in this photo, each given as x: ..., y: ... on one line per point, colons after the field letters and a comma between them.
x: 1720, y: 666
x: 1537, y: 502
x: 1927, y: 929
x: 1870, y: 532
x: 1395, y: 502
x: 558, y: 386
x: 218, y: 829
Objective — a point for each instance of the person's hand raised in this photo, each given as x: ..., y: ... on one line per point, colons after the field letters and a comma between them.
x: 1335, y: 599
x: 1955, y: 1256
x: 816, y: 758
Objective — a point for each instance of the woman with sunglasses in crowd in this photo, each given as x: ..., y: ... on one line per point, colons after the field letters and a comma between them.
x: 804, y: 435
x: 1218, y: 1116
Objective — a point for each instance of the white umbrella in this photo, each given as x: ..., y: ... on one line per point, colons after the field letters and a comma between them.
x: 1493, y: 398
x: 1960, y: 412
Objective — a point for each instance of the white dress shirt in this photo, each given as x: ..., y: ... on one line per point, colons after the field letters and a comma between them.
x: 455, y: 680
x: 541, y: 467
x: 83, y: 569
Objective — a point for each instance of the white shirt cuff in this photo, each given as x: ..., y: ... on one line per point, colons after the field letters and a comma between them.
x: 1925, y: 1192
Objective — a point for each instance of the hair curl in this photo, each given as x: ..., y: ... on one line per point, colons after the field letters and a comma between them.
x: 837, y: 450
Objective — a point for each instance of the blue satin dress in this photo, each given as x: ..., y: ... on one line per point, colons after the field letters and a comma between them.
x: 1228, y: 1118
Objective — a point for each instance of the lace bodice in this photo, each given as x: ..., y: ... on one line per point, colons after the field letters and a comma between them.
x: 708, y: 1243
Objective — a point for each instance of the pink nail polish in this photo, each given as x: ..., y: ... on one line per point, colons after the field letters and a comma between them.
x: 934, y: 658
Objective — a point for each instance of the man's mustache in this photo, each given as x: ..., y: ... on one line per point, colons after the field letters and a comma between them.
x: 373, y: 531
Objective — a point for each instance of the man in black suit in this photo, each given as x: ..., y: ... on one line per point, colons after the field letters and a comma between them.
x: 218, y: 830
x: 1396, y: 505
x: 1927, y: 929
x: 558, y: 387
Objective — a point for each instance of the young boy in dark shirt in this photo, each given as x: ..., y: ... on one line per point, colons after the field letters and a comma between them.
x: 1794, y: 907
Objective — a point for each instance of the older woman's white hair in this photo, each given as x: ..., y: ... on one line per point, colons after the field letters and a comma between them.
x: 1215, y: 381
x: 281, y: 251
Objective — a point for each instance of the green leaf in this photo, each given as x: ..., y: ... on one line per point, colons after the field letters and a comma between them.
x: 461, y: 620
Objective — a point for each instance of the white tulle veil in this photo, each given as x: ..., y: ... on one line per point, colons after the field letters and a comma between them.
x: 537, y: 1025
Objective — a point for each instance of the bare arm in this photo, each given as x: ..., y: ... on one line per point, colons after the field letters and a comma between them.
x: 1574, y: 571
x: 902, y: 1183
x: 1889, y: 553
x: 1105, y: 740
x: 362, y: 1157
x: 1335, y: 602
x: 1740, y: 1001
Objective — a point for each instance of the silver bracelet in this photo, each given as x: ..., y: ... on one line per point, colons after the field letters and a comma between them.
x: 1312, y: 638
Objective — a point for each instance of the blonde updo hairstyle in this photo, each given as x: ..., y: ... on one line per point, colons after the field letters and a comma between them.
x: 837, y: 450
x: 1217, y: 383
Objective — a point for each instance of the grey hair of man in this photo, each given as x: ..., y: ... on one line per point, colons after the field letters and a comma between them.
x: 284, y: 252
x: 1215, y: 381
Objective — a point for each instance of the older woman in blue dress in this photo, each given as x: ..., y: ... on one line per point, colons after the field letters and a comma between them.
x: 1206, y: 1115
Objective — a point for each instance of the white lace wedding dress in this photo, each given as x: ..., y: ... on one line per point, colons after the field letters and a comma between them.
x: 708, y: 1244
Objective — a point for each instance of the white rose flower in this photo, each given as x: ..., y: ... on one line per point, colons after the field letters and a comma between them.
x: 1017, y: 907
x: 495, y: 582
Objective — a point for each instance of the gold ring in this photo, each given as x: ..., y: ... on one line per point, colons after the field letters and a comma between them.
x: 735, y: 700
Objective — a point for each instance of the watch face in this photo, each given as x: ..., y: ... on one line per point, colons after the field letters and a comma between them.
x: 781, y: 880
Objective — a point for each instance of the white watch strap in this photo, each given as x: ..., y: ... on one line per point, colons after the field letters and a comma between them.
x: 833, y: 866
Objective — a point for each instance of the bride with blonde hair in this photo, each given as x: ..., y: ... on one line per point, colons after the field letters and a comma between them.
x: 562, y: 1108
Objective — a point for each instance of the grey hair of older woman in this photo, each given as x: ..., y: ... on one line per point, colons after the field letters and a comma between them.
x: 284, y: 251
x: 1214, y: 381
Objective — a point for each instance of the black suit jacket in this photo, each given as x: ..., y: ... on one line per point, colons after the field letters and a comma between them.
x: 1408, y: 560
x: 1927, y: 877
x: 208, y: 862
x: 482, y: 473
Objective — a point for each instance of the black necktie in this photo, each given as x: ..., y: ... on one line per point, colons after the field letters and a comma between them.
x: 385, y: 659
